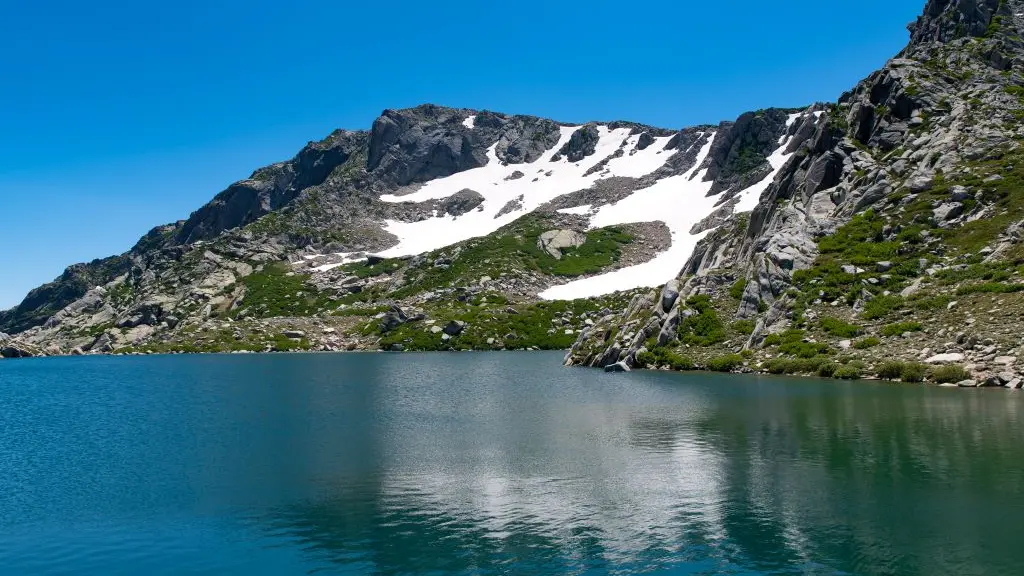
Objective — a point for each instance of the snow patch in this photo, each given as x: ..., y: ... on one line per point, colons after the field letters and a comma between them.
x: 679, y: 202
x: 553, y: 179
x: 470, y: 122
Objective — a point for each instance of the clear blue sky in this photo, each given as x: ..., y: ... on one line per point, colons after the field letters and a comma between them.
x: 118, y: 116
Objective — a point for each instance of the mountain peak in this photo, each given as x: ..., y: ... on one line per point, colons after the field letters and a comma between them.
x: 946, y: 20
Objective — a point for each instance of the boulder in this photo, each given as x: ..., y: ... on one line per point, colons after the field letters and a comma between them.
x: 294, y: 334
x: 454, y: 328
x: 947, y: 358
x: 967, y: 384
x: 554, y: 241
x: 617, y: 367
x: 669, y: 295
x: 948, y: 211
x: 462, y: 202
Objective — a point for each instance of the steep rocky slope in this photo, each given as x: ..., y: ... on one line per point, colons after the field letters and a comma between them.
x: 889, y: 244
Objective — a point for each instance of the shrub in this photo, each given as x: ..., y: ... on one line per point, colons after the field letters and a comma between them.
x: 865, y: 343
x: 913, y: 372
x: 660, y: 356
x: 950, y: 374
x: 736, y: 290
x: 744, y: 326
x: 848, y: 372
x: 891, y: 370
x: 901, y: 328
x: 726, y: 363
x: 794, y: 365
x: 991, y: 288
x: 837, y: 327
x: 828, y: 370
x: 704, y: 328
x: 881, y: 306
x: 804, y: 349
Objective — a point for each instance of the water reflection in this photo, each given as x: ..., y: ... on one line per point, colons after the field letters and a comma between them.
x: 711, y: 476
x: 497, y: 463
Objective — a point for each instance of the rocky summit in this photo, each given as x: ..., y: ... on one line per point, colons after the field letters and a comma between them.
x: 879, y: 235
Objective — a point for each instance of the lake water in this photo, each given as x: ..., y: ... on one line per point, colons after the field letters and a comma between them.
x: 481, y: 463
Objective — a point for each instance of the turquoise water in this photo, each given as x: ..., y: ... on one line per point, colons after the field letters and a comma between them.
x: 495, y: 463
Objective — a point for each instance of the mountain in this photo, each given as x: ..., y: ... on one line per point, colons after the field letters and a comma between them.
x: 833, y: 239
x: 434, y: 216
x: 890, y: 242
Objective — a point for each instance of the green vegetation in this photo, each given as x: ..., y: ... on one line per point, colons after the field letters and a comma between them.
x: 744, y: 326
x: 905, y: 371
x: 882, y: 306
x: 660, y: 356
x: 866, y: 343
x: 275, y: 291
x: 736, y: 290
x: 704, y: 328
x: 726, y: 363
x: 848, y: 372
x: 514, y: 248
x: 949, y: 374
x: 900, y: 328
x: 536, y: 325
x: 837, y: 327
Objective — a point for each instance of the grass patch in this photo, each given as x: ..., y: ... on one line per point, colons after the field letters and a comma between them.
x: 726, y: 363
x: 901, y: 328
x: 660, y: 356
x: 837, y: 327
x: 866, y: 343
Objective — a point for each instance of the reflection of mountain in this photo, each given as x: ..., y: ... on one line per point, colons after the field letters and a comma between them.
x: 713, y: 474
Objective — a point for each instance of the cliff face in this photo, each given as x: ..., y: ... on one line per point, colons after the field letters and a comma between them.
x: 900, y: 204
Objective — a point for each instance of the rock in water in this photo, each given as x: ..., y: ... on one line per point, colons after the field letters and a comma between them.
x: 617, y: 367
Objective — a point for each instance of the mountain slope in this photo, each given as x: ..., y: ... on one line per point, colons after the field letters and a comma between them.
x: 892, y: 234
x: 389, y: 217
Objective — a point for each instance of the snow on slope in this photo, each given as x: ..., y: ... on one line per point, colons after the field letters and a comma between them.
x: 679, y: 202
x: 543, y: 181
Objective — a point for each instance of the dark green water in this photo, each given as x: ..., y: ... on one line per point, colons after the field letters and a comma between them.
x: 495, y: 463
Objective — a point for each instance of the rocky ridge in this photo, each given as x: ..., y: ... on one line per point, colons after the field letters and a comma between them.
x: 889, y: 245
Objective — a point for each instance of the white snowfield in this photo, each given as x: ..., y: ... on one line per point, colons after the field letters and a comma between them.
x: 678, y: 201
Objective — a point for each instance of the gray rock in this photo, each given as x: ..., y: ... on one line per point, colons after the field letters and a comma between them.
x: 462, y: 202
x: 967, y: 384
x: 946, y: 358
x: 554, y: 241
x: 617, y: 367
x: 669, y: 295
x: 581, y: 144
x: 294, y: 334
x: 454, y: 328
x: 948, y: 211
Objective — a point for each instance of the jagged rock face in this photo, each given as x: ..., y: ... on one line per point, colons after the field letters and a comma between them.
x: 583, y: 143
x: 422, y: 144
x: 48, y: 299
x: 739, y: 154
x: 945, y: 20
x: 270, y: 188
